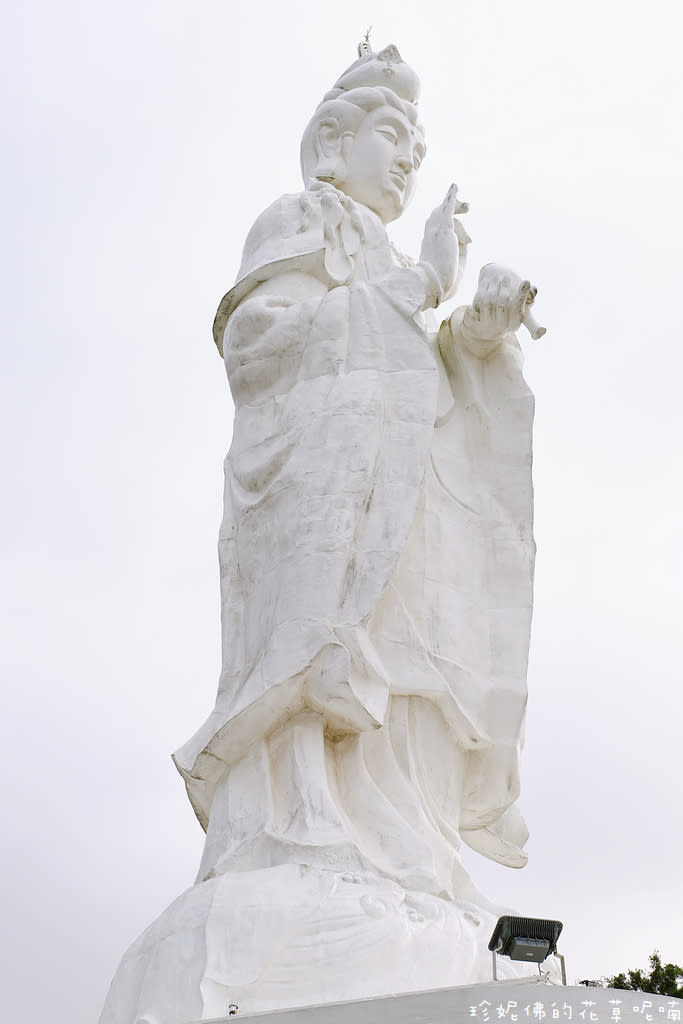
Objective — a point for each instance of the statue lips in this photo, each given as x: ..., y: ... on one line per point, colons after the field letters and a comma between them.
x: 399, y: 178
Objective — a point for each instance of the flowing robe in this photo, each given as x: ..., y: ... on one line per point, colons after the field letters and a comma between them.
x: 376, y: 559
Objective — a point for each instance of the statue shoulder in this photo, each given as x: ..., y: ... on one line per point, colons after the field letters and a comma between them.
x: 290, y: 226
x: 289, y: 233
x: 319, y: 231
x: 301, y: 223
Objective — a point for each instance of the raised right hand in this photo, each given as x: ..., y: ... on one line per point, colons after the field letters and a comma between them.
x: 445, y: 240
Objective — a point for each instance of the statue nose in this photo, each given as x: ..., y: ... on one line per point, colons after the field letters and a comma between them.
x: 404, y: 162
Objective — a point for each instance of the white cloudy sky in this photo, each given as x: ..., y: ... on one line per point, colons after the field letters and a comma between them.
x: 143, y: 139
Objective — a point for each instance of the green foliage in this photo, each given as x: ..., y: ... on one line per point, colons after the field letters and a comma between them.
x: 663, y: 979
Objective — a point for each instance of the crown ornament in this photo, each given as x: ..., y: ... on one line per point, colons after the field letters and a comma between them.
x: 385, y: 68
x: 364, y: 47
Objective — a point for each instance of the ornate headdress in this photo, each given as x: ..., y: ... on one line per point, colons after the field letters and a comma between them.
x: 386, y: 69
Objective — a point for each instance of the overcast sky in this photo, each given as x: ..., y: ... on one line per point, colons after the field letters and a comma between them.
x: 143, y: 140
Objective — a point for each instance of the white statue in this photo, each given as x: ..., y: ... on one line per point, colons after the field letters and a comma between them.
x: 376, y: 562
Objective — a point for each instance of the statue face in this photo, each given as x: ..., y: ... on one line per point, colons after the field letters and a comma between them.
x: 381, y: 160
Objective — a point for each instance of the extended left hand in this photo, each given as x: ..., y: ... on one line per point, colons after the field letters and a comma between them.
x: 499, y: 303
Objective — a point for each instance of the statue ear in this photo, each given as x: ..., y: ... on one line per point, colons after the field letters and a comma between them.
x: 329, y: 146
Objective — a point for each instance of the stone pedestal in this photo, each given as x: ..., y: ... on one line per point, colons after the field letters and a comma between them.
x: 292, y: 936
x: 502, y: 1002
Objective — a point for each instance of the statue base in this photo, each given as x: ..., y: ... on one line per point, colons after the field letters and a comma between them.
x: 502, y: 1002
x: 297, y: 936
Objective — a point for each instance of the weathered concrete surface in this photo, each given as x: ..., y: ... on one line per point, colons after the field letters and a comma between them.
x: 504, y: 1001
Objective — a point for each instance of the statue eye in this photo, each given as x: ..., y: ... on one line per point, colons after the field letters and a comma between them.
x: 389, y: 133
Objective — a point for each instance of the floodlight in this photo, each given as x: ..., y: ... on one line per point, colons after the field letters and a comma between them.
x: 527, y: 939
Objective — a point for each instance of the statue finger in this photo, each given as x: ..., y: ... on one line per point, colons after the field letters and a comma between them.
x: 451, y: 200
x: 504, y: 283
x: 491, y: 289
x: 490, y: 299
x: 504, y: 298
x: 460, y: 233
x: 502, y: 315
x: 524, y: 296
x: 483, y: 296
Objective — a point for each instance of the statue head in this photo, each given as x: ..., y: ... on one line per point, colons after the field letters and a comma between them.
x: 365, y: 137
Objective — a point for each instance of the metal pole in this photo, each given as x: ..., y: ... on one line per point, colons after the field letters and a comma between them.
x: 493, y: 958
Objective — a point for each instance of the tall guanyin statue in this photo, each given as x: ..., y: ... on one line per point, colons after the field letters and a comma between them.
x: 376, y: 563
